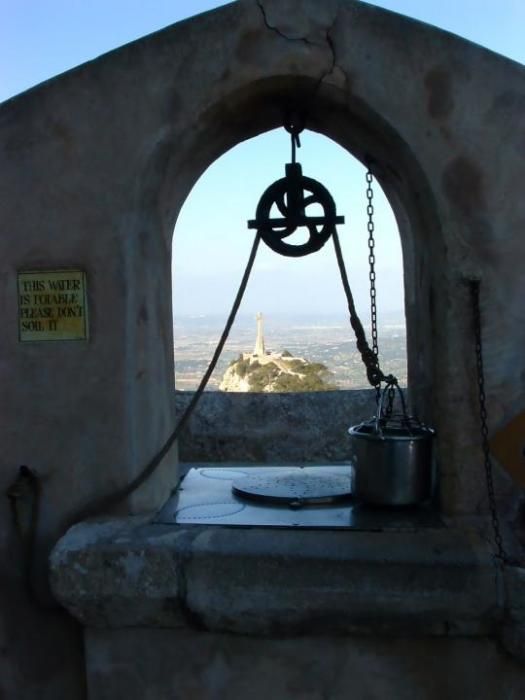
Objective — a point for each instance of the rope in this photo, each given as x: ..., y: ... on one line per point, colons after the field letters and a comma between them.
x: 371, y: 361
x: 111, y: 500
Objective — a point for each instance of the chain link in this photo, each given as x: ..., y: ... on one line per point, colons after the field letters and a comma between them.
x: 372, y: 272
x: 372, y: 260
x: 391, y: 395
x: 501, y: 555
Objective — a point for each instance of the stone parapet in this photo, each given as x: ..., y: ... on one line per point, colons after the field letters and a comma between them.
x: 303, y: 427
x: 267, y: 582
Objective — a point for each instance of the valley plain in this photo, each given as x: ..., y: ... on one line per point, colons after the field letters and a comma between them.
x: 326, y: 339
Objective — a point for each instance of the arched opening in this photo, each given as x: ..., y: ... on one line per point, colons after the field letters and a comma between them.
x: 174, y: 167
x: 302, y: 299
x: 363, y: 133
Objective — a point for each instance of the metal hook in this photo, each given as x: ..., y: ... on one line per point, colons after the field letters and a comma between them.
x: 294, y: 125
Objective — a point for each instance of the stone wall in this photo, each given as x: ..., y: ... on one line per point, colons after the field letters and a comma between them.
x: 177, y: 612
x: 214, y: 666
x: 287, y: 428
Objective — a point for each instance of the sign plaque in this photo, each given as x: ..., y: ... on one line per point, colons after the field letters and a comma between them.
x: 52, y: 305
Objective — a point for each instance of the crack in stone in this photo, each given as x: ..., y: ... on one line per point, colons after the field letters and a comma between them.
x: 334, y: 64
x: 331, y: 45
x: 329, y: 41
x: 276, y: 29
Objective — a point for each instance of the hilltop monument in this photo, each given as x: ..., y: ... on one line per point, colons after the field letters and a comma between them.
x: 274, y: 372
x: 259, y: 341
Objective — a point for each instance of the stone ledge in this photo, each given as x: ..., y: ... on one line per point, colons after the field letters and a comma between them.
x: 129, y: 572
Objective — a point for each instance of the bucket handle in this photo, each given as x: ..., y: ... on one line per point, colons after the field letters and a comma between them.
x: 391, y: 387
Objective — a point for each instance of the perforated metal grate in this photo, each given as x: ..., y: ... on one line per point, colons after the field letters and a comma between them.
x: 295, y: 488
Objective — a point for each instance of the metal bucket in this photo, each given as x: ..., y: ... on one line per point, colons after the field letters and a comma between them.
x: 392, y: 458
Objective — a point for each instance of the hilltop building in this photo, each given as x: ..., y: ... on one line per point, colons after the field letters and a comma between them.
x: 274, y: 372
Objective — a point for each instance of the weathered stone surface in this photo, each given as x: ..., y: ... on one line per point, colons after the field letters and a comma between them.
x: 395, y: 583
x: 305, y: 427
x: 138, y: 664
x: 513, y: 634
x: 137, y: 579
x: 266, y: 582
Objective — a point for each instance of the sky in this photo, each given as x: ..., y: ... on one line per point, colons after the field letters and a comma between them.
x: 42, y: 38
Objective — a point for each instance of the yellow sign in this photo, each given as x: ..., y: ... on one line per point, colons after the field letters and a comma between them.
x: 52, y: 305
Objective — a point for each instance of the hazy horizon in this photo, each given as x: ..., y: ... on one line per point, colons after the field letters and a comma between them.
x: 278, y: 317
x: 325, y: 338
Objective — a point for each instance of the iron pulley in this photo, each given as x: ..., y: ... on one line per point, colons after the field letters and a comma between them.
x: 291, y: 196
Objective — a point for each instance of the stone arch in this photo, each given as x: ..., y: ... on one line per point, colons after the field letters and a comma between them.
x: 351, y: 58
x: 359, y: 131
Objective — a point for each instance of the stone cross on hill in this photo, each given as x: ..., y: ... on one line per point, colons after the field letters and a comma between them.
x: 259, y: 342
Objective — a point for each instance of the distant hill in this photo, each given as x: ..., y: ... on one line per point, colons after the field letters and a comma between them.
x: 275, y: 372
x: 264, y: 372
x: 327, y: 340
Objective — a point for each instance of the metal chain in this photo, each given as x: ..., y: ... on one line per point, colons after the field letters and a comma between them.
x: 501, y: 555
x: 390, y: 399
x: 373, y: 371
x: 372, y: 272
